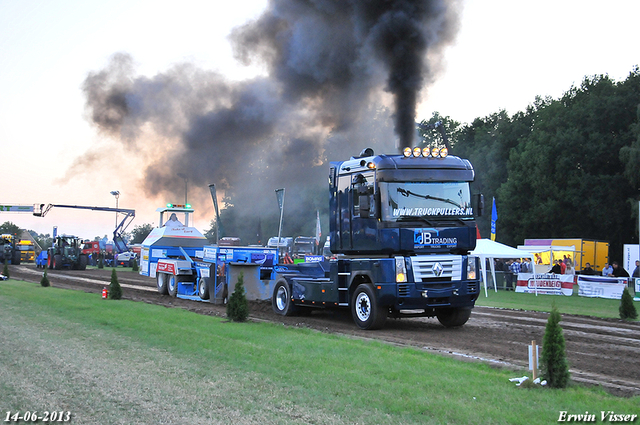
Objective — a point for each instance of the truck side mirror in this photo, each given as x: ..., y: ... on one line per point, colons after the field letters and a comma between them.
x: 479, y: 204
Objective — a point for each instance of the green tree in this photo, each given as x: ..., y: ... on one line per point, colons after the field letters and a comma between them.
x: 140, y: 233
x: 5, y: 271
x: 555, y: 368
x: 10, y: 228
x: 115, y: 290
x: 565, y: 177
x: 627, y: 309
x: 238, y: 307
x: 45, y: 279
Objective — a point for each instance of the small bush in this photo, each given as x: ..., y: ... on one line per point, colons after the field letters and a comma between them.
x: 115, y: 290
x: 627, y: 309
x: 5, y: 270
x: 101, y: 261
x: 134, y: 266
x: 555, y: 368
x: 45, y: 280
x: 238, y: 307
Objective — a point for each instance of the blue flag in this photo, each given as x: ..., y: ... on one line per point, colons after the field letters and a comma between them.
x: 494, y: 218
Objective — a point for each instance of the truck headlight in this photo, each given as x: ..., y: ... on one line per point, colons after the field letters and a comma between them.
x: 471, y: 268
x: 401, y: 270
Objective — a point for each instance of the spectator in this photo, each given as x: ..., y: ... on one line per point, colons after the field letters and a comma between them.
x: 607, y: 270
x: 619, y: 271
x: 538, y: 259
x: 526, y: 266
x: 588, y: 270
x: 556, y: 269
x: 563, y: 266
x: 636, y: 272
x: 508, y: 275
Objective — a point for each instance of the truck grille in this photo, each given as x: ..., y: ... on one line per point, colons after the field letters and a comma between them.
x: 403, y: 290
x: 431, y: 268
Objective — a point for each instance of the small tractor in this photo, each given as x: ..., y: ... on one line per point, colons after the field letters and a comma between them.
x: 66, y: 252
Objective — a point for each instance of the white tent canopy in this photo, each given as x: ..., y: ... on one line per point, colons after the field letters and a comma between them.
x: 486, y: 248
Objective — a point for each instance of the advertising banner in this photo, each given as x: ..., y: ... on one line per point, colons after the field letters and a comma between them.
x: 549, y: 284
x: 601, y: 287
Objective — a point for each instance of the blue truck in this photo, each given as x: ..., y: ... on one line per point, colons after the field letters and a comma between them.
x: 401, y: 229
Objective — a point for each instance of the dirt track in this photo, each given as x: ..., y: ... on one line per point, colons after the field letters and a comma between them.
x: 600, y: 351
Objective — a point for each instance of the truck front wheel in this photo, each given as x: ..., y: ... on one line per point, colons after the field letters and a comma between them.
x: 161, y: 280
x: 452, y: 317
x: 281, y: 299
x: 366, y: 312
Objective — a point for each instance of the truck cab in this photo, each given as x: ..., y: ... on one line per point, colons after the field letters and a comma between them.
x: 401, y: 228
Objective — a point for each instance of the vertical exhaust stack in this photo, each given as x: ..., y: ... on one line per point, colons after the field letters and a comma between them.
x: 212, y: 189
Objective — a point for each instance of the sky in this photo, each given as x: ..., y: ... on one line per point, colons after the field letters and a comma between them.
x: 505, y: 54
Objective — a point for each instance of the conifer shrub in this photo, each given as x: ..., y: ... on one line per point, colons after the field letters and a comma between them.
x: 115, y: 291
x: 101, y: 261
x: 45, y: 279
x: 134, y: 266
x: 5, y: 270
x: 627, y: 309
x: 238, y: 307
x: 554, y: 365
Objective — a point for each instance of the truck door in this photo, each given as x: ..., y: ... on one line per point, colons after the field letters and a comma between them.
x: 344, y: 211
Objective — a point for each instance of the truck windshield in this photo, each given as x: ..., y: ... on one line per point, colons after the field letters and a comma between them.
x: 437, y: 200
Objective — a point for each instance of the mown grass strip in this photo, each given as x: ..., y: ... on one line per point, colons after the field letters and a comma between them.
x: 584, y: 306
x: 270, y: 373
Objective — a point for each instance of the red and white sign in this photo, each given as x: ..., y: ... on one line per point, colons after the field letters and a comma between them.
x: 550, y: 284
x: 166, y: 267
x: 601, y: 287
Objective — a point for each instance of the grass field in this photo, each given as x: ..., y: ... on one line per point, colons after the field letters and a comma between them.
x: 120, y: 362
x: 597, y: 307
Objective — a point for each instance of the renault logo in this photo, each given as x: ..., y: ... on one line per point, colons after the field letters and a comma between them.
x: 437, y: 269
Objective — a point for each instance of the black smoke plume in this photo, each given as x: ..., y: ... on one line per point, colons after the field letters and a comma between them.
x: 331, y: 66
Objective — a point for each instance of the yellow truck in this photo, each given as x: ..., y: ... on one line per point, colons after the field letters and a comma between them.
x: 582, y: 251
x: 27, y: 251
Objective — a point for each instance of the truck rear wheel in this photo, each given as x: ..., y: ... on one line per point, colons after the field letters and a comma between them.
x: 365, y: 310
x: 203, y: 288
x: 281, y: 299
x: 452, y: 317
x: 172, y: 285
x: 161, y: 280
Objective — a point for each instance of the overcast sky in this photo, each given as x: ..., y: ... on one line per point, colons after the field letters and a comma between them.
x: 506, y: 53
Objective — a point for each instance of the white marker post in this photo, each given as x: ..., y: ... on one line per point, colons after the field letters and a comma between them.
x: 533, y: 359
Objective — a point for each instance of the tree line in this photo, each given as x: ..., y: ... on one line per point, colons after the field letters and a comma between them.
x: 563, y: 168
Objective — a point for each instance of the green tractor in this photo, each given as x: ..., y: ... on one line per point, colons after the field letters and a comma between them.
x: 66, y: 252
x: 9, y: 252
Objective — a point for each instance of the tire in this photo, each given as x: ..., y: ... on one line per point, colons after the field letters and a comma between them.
x: 281, y: 299
x: 172, y: 285
x: 365, y: 310
x: 16, y: 258
x: 161, y: 280
x: 203, y: 288
x: 82, y: 262
x: 453, y: 317
x: 57, y: 262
